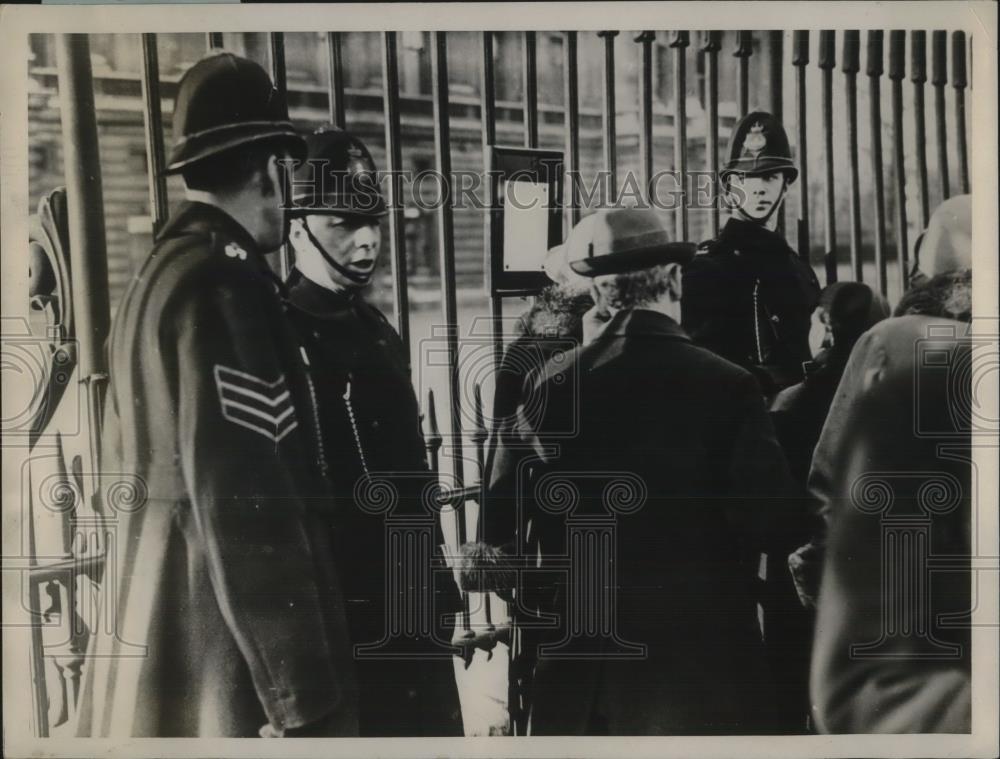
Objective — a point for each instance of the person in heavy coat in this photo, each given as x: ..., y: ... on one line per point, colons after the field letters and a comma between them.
x: 673, y: 444
x: 893, y: 467
x: 370, y: 424
x: 229, y: 620
x: 747, y: 295
x: 845, y: 311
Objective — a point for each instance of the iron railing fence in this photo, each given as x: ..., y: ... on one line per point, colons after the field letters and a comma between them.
x: 58, y: 577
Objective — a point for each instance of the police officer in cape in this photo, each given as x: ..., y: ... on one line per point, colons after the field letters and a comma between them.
x: 370, y: 425
x: 747, y: 295
x: 229, y: 616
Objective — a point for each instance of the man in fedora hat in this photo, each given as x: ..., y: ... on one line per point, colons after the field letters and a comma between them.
x: 747, y: 295
x: 370, y: 425
x: 229, y: 618
x: 645, y: 431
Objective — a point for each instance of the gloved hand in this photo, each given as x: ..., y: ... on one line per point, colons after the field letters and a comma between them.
x: 806, y: 566
x: 484, y: 568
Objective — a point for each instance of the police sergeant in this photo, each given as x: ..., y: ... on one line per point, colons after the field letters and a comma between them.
x: 747, y: 295
x: 222, y: 573
x: 370, y: 425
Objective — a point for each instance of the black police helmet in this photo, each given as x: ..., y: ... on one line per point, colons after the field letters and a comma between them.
x: 223, y: 102
x: 339, y: 177
x: 758, y: 146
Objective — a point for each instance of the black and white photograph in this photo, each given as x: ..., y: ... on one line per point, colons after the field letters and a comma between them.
x: 500, y: 379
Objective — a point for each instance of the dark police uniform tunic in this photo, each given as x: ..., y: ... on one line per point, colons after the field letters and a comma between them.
x: 748, y: 297
x: 228, y: 609
x: 353, y: 349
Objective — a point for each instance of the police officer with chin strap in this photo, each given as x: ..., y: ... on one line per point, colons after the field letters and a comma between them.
x: 370, y: 426
x: 747, y: 295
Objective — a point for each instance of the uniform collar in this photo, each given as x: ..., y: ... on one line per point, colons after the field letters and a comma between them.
x: 195, y: 217
x: 316, y: 300
x: 745, y: 235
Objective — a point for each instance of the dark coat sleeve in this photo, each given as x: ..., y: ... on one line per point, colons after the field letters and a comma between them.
x: 762, y: 499
x: 245, y: 469
x: 703, y: 304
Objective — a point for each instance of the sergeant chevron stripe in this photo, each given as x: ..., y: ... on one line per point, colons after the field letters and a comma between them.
x: 249, y: 401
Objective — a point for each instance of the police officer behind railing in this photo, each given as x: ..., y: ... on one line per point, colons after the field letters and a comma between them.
x: 747, y: 295
x: 224, y: 574
x: 370, y: 424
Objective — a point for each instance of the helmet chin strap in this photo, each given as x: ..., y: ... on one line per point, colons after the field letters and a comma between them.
x: 358, y: 279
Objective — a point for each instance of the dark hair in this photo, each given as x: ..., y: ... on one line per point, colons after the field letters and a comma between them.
x: 232, y: 169
x: 947, y: 295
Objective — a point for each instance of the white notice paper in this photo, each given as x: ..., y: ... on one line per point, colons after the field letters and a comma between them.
x: 525, y: 225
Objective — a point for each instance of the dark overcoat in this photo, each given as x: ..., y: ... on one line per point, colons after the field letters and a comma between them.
x: 373, y: 440
x: 748, y: 297
x: 225, y: 609
x: 674, y: 445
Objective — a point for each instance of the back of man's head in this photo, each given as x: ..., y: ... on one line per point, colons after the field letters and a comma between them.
x: 232, y: 171
x: 645, y: 288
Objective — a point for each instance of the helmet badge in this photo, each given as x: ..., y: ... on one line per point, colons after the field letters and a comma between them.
x: 755, y: 141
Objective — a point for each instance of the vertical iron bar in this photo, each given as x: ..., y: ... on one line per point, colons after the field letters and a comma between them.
x: 276, y: 49
x: 446, y: 233
x: 851, y: 66
x: 646, y: 39
x: 874, y: 69
x: 775, y: 73
x: 827, y: 62
x: 775, y: 76
x: 939, y: 78
x: 918, y: 75
x: 744, y: 49
x: 712, y: 43
x: 572, y: 124
x: 446, y: 236
x: 338, y: 112
x: 489, y: 121
x: 85, y: 200
x: 959, y: 82
x: 87, y: 241
x: 394, y: 167
x: 153, y: 124
x: 215, y: 40
x: 276, y: 52
x: 679, y: 41
x: 800, y: 59
x: 610, y: 113
x: 897, y: 72
x: 479, y: 437
x: 530, y: 100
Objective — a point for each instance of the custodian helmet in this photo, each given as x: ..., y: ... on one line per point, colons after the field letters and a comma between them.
x: 224, y: 101
x: 758, y: 146
x: 339, y: 177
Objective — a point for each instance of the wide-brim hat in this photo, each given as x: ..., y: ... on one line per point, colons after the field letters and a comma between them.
x: 338, y: 177
x: 621, y: 240
x: 225, y: 102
